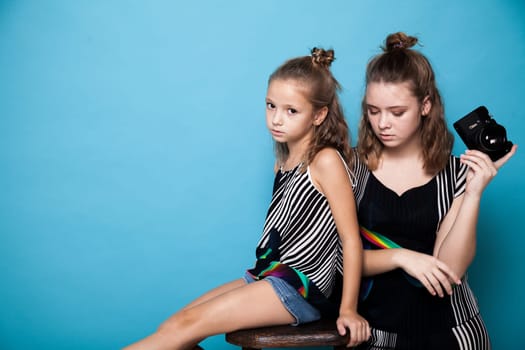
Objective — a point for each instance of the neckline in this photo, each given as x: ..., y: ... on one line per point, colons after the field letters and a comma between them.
x: 404, y: 193
x: 289, y: 170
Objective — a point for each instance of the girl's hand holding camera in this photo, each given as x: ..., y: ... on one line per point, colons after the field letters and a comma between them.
x: 482, y: 169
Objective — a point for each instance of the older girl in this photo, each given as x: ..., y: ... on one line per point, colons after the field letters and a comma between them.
x: 418, y: 207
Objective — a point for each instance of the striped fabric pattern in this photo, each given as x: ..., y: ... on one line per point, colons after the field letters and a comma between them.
x: 382, y: 339
x: 472, y: 335
x: 309, y: 238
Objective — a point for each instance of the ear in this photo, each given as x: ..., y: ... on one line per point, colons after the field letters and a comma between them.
x: 320, y: 115
x: 426, y: 106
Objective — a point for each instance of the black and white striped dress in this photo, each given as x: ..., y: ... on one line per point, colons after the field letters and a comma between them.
x: 301, y: 234
x: 402, y: 315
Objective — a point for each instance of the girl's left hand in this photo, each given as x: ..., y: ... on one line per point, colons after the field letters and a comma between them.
x: 358, y: 326
x: 482, y: 169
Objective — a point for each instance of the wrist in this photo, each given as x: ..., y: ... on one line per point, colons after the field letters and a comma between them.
x: 472, y: 196
x: 397, y: 257
x: 346, y: 308
x: 346, y: 312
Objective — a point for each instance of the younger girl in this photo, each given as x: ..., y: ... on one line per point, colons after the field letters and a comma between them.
x: 417, y: 207
x: 311, y: 219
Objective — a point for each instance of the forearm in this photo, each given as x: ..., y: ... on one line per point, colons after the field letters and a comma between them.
x: 376, y: 262
x: 352, y: 267
x: 459, y: 245
x: 456, y: 241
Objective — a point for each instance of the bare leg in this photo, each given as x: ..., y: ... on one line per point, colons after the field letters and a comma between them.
x: 251, y: 305
x: 217, y: 291
x: 212, y: 294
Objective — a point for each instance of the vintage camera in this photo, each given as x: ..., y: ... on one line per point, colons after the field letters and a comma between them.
x: 479, y: 130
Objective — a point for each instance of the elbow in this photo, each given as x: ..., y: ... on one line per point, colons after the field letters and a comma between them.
x: 461, y: 264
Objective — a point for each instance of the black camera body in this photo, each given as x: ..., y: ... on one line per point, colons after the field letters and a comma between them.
x: 479, y: 131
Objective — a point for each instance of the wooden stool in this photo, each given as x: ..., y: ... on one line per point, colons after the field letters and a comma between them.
x: 318, y: 333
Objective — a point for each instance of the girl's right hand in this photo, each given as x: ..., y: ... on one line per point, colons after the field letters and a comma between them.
x: 356, y: 324
x: 499, y: 163
x: 433, y: 273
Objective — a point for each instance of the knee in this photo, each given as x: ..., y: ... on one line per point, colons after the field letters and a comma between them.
x: 179, y: 322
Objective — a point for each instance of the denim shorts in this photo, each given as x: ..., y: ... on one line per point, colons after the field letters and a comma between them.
x: 294, y: 302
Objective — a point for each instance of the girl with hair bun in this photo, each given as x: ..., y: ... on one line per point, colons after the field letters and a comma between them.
x: 417, y: 208
x: 310, y: 236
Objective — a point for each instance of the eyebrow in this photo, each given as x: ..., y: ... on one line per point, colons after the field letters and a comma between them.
x: 389, y: 107
x: 286, y: 105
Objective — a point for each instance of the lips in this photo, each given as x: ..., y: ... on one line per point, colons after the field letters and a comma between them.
x: 277, y: 133
x: 386, y: 137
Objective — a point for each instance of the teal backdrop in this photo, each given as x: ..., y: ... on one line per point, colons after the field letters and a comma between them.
x: 136, y: 168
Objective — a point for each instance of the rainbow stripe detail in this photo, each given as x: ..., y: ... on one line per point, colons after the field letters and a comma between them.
x: 381, y: 242
x: 286, y: 272
x: 377, y: 239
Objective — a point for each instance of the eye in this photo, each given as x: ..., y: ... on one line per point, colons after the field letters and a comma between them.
x: 373, y: 111
x: 270, y: 105
x: 292, y: 111
x: 398, y: 113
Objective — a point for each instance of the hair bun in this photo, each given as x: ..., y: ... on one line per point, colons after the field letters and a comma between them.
x: 323, y: 58
x: 399, y: 41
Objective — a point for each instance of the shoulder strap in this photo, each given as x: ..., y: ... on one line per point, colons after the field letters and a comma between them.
x: 350, y: 173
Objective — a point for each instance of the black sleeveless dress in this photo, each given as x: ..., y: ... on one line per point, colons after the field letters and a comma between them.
x: 402, y: 313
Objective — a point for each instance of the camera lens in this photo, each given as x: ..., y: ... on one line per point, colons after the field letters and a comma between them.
x: 493, y: 137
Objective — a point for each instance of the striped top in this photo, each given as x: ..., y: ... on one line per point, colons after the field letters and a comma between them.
x: 412, y: 220
x: 308, y: 241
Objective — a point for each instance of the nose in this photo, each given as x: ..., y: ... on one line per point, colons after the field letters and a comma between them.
x: 384, y: 121
x: 277, y: 118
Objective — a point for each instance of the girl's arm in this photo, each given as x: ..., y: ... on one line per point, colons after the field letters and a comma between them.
x: 456, y: 238
x: 435, y: 275
x: 331, y: 178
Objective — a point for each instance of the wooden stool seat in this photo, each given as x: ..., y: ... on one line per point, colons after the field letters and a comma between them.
x: 318, y: 333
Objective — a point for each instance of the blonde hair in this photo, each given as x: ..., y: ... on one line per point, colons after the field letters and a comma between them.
x: 321, y: 90
x: 398, y: 64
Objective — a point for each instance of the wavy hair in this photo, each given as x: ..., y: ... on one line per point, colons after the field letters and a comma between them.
x: 398, y: 64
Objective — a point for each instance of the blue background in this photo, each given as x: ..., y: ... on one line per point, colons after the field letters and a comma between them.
x: 136, y: 168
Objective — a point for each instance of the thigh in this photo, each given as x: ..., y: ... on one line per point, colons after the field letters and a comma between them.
x: 252, y: 305
x: 216, y: 292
